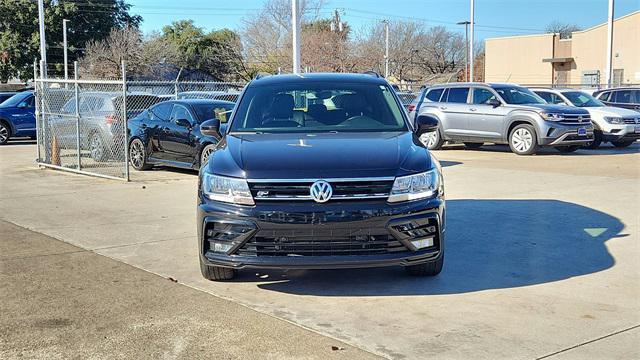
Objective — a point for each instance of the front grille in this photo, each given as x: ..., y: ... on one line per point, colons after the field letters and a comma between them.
x: 349, y: 189
x: 325, y: 242
x: 631, y: 120
x: 575, y: 119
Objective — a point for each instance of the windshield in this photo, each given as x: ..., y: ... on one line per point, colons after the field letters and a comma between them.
x: 580, y: 99
x: 212, y: 111
x: 15, y: 99
x: 517, y: 95
x: 318, y: 107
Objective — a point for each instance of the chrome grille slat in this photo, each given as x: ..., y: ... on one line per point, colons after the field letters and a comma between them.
x: 343, y: 189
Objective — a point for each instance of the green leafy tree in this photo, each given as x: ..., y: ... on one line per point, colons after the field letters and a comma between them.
x: 90, y: 20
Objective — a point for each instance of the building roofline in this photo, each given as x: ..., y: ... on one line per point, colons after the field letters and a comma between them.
x: 574, y: 32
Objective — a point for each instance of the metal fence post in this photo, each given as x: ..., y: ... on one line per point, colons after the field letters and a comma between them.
x: 175, y: 84
x: 43, y: 117
x: 77, y: 96
x: 38, y: 119
x: 125, y: 120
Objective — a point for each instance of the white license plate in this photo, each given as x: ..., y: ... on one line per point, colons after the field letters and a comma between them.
x: 637, y: 129
x: 582, y: 131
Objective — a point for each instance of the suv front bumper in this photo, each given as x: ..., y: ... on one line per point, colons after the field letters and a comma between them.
x: 621, y: 133
x: 558, y: 134
x: 287, y: 221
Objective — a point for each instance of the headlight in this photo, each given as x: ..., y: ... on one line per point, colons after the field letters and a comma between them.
x: 226, y: 189
x: 551, y: 116
x: 413, y: 187
x: 613, y: 120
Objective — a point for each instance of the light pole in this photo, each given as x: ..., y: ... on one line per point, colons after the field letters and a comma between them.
x: 466, y: 48
x: 43, y: 46
x: 386, y: 48
x: 295, y: 30
x: 64, y: 45
x: 610, y: 45
x: 471, y: 43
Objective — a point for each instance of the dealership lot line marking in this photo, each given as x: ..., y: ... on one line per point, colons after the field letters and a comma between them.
x: 588, y: 342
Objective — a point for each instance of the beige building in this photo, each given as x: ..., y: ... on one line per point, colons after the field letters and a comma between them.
x: 546, y: 59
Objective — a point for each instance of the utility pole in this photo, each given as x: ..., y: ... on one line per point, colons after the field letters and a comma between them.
x: 64, y: 44
x: 471, y: 43
x: 386, y: 48
x: 295, y: 27
x: 466, y: 48
x: 43, y: 46
x: 610, y: 46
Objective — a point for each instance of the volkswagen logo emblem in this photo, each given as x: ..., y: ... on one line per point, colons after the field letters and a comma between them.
x: 321, y: 191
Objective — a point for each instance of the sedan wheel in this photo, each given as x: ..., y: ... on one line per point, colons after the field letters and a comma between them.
x: 206, y: 152
x: 96, y: 148
x: 138, y: 155
x: 4, y: 134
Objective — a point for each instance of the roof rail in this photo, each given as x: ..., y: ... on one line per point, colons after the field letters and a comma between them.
x: 260, y: 75
x: 372, y: 73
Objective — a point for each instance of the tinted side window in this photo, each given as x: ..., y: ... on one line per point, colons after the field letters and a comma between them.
x: 604, y: 96
x: 543, y: 94
x: 458, y: 95
x: 623, y: 96
x: 181, y: 112
x: 635, y: 96
x: 434, y: 95
x: 161, y: 112
x: 482, y: 96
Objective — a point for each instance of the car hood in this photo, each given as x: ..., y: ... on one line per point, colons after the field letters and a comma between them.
x: 557, y: 108
x: 319, y: 155
x: 613, y: 111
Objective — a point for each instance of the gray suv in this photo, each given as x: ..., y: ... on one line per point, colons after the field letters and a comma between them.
x: 475, y: 113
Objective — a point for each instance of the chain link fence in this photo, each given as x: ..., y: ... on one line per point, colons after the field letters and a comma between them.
x: 82, y: 124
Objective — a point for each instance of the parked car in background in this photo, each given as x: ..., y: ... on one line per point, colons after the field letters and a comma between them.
x: 101, y: 121
x: 17, y: 117
x: 619, y: 126
x: 414, y: 107
x: 169, y: 133
x: 345, y: 186
x: 627, y: 97
x: 211, y: 95
x: 4, y: 95
x: 475, y: 113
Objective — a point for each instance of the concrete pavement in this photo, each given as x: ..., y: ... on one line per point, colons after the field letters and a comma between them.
x: 58, y: 301
x: 541, y: 255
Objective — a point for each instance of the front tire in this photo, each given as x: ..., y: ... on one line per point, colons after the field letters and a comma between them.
x: 567, y: 149
x: 432, y: 140
x: 5, y: 133
x: 523, y: 140
x: 138, y: 155
x: 432, y: 268
x: 622, y: 143
x: 597, y: 140
x: 216, y: 273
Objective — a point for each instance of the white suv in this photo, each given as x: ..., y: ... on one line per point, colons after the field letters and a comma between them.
x: 617, y: 125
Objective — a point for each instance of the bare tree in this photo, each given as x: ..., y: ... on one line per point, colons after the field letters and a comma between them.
x: 103, y: 58
x: 564, y: 29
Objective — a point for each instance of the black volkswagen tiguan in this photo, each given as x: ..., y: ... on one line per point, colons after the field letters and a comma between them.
x: 319, y: 171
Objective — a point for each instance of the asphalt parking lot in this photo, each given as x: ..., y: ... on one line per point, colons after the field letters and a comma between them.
x: 541, y: 262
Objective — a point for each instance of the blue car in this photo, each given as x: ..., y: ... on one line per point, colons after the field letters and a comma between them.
x: 17, y: 117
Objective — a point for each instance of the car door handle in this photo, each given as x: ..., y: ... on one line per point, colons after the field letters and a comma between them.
x: 143, y: 125
x: 443, y: 108
x: 473, y: 109
x: 166, y: 130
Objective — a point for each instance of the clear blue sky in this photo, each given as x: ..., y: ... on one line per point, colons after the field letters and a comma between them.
x: 493, y: 17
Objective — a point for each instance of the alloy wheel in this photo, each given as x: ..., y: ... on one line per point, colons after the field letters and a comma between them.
x: 205, y: 154
x: 4, y: 133
x: 96, y: 148
x: 430, y: 139
x: 522, y: 139
x: 136, y: 154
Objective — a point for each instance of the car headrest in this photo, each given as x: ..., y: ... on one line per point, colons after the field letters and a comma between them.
x: 282, y: 106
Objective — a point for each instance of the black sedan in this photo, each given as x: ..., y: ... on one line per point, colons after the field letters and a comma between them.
x: 168, y: 133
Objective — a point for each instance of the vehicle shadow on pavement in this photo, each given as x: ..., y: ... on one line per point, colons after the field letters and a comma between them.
x: 490, y: 244
x: 604, y: 149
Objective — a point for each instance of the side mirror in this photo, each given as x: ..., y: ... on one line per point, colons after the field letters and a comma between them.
x: 210, y: 128
x: 425, y: 124
x: 494, y: 102
x: 183, y: 122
